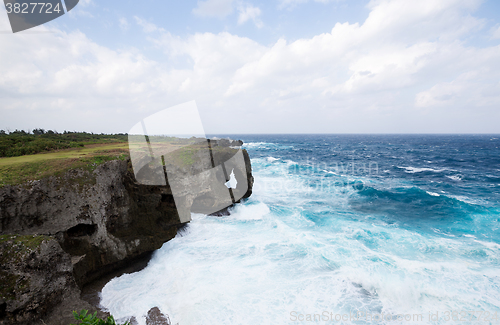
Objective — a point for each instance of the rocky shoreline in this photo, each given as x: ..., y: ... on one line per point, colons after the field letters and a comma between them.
x: 59, y: 234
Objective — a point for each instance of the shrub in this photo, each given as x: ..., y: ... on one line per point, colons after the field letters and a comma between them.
x: 92, y: 319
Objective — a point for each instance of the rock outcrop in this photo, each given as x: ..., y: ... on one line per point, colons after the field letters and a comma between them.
x: 35, y: 275
x: 90, y: 223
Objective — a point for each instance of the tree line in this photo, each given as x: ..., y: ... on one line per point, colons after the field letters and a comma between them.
x: 20, y: 142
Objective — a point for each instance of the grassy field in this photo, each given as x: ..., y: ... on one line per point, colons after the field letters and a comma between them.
x: 19, y: 143
x: 23, y: 169
x: 19, y: 170
x: 181, y: 152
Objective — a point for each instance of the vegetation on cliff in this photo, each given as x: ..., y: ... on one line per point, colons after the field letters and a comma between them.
x: 96, y: 218
x: 35, y: 274
x: 92, y: 319
x: 30, y: 168
x: 19, y: 143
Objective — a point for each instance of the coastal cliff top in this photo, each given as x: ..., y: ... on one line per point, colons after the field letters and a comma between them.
x: 19, y: 170
x: 27, y: 168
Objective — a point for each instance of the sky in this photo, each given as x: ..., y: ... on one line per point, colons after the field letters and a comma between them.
x: 275, y: 66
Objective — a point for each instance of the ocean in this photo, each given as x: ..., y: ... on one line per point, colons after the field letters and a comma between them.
x: 340, y: 229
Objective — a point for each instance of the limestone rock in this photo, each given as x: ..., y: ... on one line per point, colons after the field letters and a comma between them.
x: 83, y: 225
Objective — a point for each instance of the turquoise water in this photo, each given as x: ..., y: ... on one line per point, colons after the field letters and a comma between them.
x: 368, y: 229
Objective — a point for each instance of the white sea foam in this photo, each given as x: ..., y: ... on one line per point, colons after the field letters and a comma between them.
x: 412, y: 170
x: 455, y: 177
x: 256, y: 144
x: 223, y: 271
x: 463, y: 198
x: 250, y: 212
x: 267, y: 145
x: 490, y: 245
x: 432, y: 193
x: 289, y: 249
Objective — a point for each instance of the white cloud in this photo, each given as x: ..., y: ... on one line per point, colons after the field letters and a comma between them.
x: 80, y: 11
x: 371, y: 70
x: 476, y: 87
x: 405, y: 69
x: 66, y: 81
x: 495, y: 32
x: 248, y: 12
x: 147, y: 27
x: 85, y: 3
x: 124, y: 25
x: 383, y: 53
x: 214, y: 8
x: 290, y: 4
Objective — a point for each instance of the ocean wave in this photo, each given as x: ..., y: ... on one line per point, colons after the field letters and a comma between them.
x: 257, y: 144
x: 414, y: 203
x: 413, y: 170
x: 266, y: 145
x: 490, y: 245
x: 455, y: 177
x: 398, y: 245
x: 250, y: 211
x: 463, y: 199
x: 492, y: 178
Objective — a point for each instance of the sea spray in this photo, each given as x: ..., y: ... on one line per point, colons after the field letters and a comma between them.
x: 402, y: 245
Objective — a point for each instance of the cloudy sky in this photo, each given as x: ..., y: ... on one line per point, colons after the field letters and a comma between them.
x: 275, y: 66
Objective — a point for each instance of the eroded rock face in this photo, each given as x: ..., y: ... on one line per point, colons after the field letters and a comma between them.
x: 198, y: 171
x: 35, y: 275
x: 100, y: 218
x: 95, y: 222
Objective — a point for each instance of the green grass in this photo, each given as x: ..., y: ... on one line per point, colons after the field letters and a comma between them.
x: 20, y: 143
x: 24, y: 169
x: 24, y: 242
x: 186, y: 155
x: 63, y: 154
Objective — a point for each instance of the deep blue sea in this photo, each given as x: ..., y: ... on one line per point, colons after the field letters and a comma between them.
x: 340, y: 229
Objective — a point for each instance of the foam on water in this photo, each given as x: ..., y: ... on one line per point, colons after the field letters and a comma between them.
x: 250, y: 212
x: 455, y: 177
x: 258, y: 266
x: 298, y: 245
x: 267, y: 145
x: 412, y: 170
x: 256, y: 144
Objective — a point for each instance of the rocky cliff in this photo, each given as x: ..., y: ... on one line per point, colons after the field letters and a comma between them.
x: 61, y: 233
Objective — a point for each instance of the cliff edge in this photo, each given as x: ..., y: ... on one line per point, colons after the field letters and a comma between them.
x: 60, y: 233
